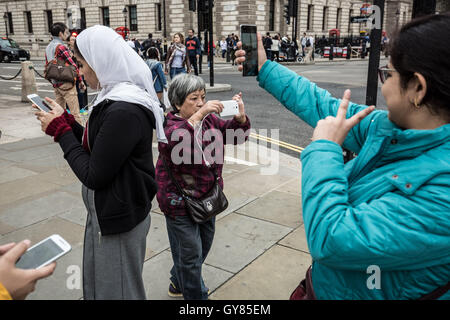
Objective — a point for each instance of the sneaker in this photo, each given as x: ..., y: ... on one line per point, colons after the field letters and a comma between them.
x: 174, y: 292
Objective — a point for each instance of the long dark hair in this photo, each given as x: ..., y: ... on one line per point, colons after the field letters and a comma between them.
x: 420, y: 47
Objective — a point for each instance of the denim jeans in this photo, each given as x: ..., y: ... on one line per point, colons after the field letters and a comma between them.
x: 190, y: 243
x: 175, y: 71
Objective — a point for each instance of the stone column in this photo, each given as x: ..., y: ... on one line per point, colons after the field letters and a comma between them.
x: 28, y: 80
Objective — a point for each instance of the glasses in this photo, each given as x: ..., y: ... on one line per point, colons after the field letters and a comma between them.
x: 383, y: 73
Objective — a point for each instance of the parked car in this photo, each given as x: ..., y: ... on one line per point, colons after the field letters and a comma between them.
x: 10, y: 51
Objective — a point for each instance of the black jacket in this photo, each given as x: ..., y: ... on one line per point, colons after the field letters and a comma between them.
x: 120, y: 166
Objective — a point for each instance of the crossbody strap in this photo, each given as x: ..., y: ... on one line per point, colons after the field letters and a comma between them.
x: 175, y: 180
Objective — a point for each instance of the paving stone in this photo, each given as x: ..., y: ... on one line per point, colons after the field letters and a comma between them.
x: 26, y: 187
x: 279, y: 207
x: 76, y: 215
x: 296, y: 240
x: 4, y: 228
x: 71, y: 232
x: 27, y: 143
x: 33, y: 153
x: 273, y: 276
x: 240, y: 239
x: 293, y: 187
x: 12, y: 173
x: 41, y: 208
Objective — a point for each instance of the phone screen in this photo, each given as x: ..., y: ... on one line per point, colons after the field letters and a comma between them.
x: 40, y: 103
x: 37, y: 256
x: 250, y: 46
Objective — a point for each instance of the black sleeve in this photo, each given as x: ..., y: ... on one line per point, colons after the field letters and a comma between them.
x: 117, y: 137
x: 78, y: 131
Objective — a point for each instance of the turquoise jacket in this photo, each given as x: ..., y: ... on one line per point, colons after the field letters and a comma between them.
x: 377, y: 227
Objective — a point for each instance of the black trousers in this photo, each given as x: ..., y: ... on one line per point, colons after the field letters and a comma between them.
x: 193, y: 61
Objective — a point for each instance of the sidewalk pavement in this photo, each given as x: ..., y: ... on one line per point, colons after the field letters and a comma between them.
x: 259, y: 250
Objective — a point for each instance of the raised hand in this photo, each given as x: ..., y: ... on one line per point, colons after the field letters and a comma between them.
x: 337, y: 128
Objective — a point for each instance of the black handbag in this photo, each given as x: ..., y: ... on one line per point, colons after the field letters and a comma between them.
x: 205, y: 208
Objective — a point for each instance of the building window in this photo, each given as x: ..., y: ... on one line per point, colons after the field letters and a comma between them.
x: 83, y: 18
x: 29, y: 22
x: 49, y: 19
x: 10, y: 23
x: 325, y: 19
x: 272, y: 15
x: 310, y: 17
x: 133, y: 18
x: 105, y: 16
x: 338, y: 18
x: 158, y: 17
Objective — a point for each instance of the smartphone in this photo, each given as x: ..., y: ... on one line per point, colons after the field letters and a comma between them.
x: 44, y: 253
x: 41, y: 104
x: 250, y: 45
x: 230, y: 108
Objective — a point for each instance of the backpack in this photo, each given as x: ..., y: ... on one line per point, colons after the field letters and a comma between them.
x: 60, y: 71
x: 308, y: 43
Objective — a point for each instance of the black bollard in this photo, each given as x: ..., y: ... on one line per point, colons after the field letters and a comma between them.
x: 349, y: 51
x: 331, y: 52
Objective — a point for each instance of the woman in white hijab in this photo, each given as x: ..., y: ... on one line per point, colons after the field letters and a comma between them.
x: 112, y: 157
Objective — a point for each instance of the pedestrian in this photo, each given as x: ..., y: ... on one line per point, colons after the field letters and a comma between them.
x: 147, y: 44
x: 268, y: 45
x: 387, y: 210
x: 193, y: 49
x: 17, y: 283
x: 159, y: 79
x: 234, y: 42
x: 223, y: 47
x: 113, y: 159
x: 229, y: 41
x: 309, y: 48
x: 65, y: 92
x: 80, y: 85
x: 177, y: 60
x: 190, y: 242
x: 275, y: 48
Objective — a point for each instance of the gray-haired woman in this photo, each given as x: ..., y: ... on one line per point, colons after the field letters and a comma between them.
x: 191, y: 118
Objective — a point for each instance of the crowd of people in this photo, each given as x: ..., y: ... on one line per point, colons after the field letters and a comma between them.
x: 389, y: 207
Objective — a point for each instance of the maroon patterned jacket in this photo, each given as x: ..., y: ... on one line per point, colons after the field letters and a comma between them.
x: 184, y: 158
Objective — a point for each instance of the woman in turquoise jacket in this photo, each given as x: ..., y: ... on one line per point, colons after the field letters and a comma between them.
x: 378, y: 227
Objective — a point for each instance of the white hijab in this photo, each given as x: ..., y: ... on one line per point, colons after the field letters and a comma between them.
x: 122, y: 74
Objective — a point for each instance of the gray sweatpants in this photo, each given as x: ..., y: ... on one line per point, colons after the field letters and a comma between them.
x: 113, y: 264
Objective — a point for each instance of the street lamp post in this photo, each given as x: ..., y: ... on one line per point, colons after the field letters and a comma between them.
x: 5, y: 17
x: 125, y: 12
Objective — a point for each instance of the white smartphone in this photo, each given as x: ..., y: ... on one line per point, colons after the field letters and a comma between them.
x: 230, y: 108
x: 41, y: 104
x: 44, y: 253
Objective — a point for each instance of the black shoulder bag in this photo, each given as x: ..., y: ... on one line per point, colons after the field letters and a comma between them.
x: 203, y: 209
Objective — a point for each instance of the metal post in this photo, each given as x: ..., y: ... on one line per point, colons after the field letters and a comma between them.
x: 331, y: 56
x: 164, y: 28
x: 374, y: 59
x: 200, y: 40
x: 211, y: 42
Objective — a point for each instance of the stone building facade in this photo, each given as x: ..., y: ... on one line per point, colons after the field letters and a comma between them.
x: 28, y: 20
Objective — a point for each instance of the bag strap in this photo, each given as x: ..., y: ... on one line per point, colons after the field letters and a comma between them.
x: 173, y: 178
x: 436, y: 294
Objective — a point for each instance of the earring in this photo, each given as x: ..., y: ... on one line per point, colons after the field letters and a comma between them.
x: 416, y: 104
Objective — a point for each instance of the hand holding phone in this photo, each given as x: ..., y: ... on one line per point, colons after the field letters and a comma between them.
x: 39, y: 102
x: 44, y: 253
x: 19, y: 283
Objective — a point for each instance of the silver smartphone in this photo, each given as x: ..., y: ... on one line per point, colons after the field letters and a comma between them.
x: 230, y: 108
x: 44, y: 253
x: 41, y: 104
